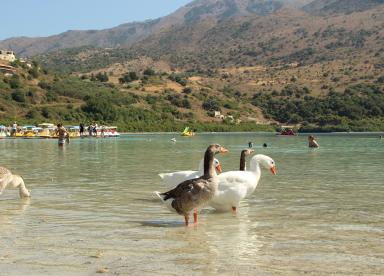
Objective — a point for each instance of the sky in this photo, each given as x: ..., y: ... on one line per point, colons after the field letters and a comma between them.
x: 48, y: 17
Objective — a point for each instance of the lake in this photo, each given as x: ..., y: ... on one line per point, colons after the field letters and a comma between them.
x: 93, y: 209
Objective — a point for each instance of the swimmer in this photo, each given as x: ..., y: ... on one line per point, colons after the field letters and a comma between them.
x: 265, y: 145
x: 250, y: 145
x: 62, y: 134
x: 312, y: 143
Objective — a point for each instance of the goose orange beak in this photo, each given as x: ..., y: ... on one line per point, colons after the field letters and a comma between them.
x: 219, y: 168
x: 223, y: 150
x: 274, y: 170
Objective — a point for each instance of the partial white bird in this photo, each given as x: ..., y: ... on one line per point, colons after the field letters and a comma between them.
x: 234, y: 186
x: 7, y: 178
x: 171, y: 180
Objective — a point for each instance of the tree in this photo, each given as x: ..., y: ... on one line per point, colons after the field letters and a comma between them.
x: 149, y: 72
x: 100, y: 109
x: 14, y: 82
x: 187, y: 90
x: 102, y: 77
x: 129, y: 77
x: 211, y: 105
x: 18, y: 95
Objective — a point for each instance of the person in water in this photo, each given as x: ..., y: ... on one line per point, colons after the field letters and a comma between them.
x: 265, y: 145
x: 82, y: 128
x: 250, y: 145
x: 62, y: 134
x: 312, y: 143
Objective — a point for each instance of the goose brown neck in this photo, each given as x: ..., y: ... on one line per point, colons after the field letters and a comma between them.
x: 242, y: 161
x: 208, y: 163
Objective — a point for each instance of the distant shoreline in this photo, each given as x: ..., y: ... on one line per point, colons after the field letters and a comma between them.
x: 259, y: 132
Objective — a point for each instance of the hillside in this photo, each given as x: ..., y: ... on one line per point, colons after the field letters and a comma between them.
x: 129, y: 33
x: 318, y: 65
x: 324, y: 7
x: 150, y: 99
x: 145, y: 101
x: 285, y: 36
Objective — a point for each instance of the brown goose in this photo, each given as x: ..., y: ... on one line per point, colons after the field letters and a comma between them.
x: 244, y: 154
x: 191, y: 194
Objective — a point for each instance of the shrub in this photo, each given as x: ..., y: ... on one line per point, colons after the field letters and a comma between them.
x: 44, y: 85
x: 129, y: 77
x: 18, y: 96
x: 149, y: 72
x: 45, y: 112
x: 100, y: 109
x: 187, y: 90
x: 14, y: 82
x: 102, y: 77
x: 34, y: 72
x: 211, y: 105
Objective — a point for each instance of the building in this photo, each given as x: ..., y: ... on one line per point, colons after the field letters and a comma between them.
x: 7, y: 55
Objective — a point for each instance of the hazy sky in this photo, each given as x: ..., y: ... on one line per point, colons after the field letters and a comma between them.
x: 48, y: 17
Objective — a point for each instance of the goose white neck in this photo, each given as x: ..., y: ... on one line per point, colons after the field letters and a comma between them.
x: 255, y: 165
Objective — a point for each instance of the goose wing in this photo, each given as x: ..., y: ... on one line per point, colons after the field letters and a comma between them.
x: 189, y: 187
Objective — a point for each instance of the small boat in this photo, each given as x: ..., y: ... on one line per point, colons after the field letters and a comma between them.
x: 287, y: 131
x: 110, y: 131
x: 74, y: 131
x: 47, y: 130
x: 187, y: 132
x: 28, y: 132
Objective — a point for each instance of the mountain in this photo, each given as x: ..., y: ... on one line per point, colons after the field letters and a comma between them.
x: 287, y: 35
x: 255, y: 61
x: 126, y: 34
x: 323, y: 7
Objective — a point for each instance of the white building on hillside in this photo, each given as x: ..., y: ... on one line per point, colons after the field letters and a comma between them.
x: 7, y: 55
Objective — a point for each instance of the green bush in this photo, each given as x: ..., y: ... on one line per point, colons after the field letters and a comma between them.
x: 102, y: 77
x: 129, y: 77
x: 14, y: 82
x: 18, y: 95
x: 211, y: 105
x: 187, y: 90
x: 100, y: 109
x: 149, y: 72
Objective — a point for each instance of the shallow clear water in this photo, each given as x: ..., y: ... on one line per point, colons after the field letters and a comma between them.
x: 92, y: 209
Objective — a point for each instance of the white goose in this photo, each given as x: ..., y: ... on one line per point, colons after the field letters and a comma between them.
x: 171, y: 180
x: 236, y: 185
x: 7, y: 178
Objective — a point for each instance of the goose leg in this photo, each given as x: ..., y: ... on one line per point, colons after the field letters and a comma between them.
x: 234, y: 210
x: 195, y: 216
x: 186, y: 218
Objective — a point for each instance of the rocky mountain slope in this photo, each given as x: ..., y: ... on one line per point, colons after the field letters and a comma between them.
x: 126, y: 34
x: 324, y: 7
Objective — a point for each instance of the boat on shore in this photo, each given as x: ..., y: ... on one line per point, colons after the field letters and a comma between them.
x: 48, y: 131
x: 111, y: 131
x: 28, y: 132
x: 287, y: 131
